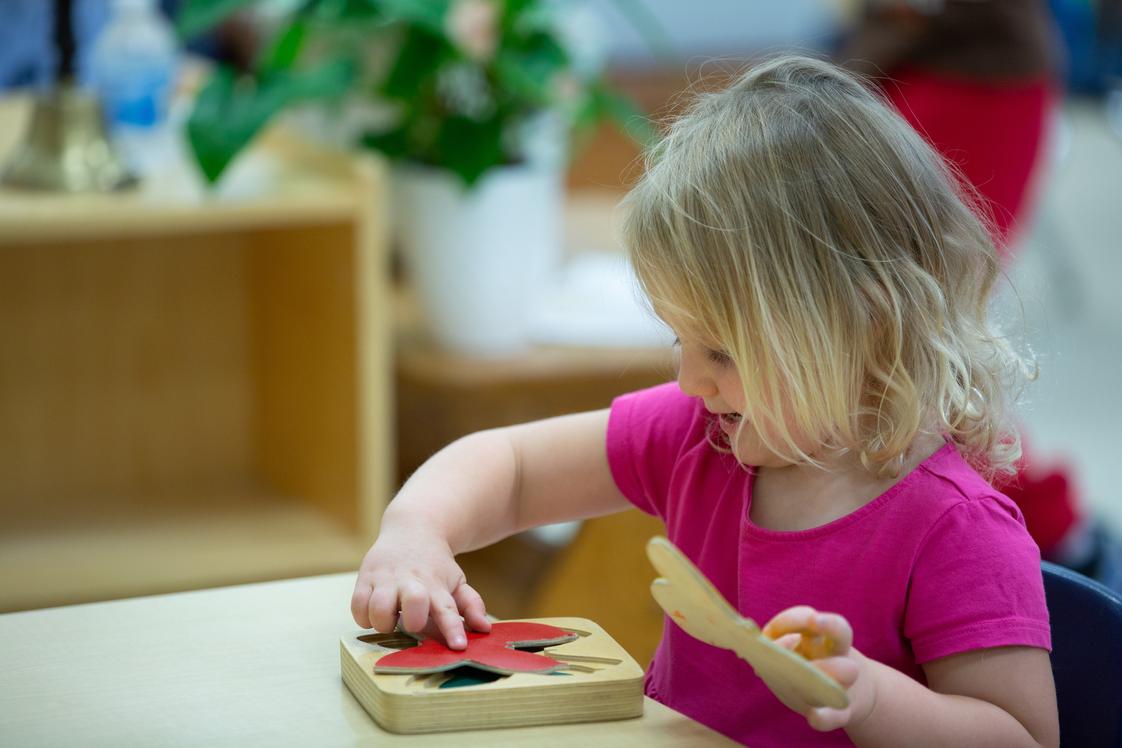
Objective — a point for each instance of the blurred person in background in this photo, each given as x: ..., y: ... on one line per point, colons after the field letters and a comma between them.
x: 980, y: 80
x: 28, y: 54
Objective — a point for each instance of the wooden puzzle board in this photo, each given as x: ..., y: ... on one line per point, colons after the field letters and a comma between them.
x: 602, y: 682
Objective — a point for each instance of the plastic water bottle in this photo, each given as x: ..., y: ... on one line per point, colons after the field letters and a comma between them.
x: 133, y: 66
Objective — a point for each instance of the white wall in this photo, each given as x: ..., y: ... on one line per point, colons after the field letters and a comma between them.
x: 700, y: 29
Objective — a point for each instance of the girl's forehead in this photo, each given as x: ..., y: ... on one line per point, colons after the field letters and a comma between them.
x: 686, y: 327
x: 675, y: 319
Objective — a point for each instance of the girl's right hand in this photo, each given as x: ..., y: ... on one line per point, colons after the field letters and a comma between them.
x: 417, y: 575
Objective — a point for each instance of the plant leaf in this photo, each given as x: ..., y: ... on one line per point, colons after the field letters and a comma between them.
x: 285, y: 48
x: 513, y: 14
x: 393, y: 143
x: 197, y: 16
x: 346, y: 10
x: 230, y: 111
x: 418, y: 59
x: 515, y: 79
x: 528, y: 71
x: 426, y: 14
x: 469, y: 148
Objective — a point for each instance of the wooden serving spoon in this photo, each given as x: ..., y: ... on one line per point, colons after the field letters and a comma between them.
x: 695, y: 605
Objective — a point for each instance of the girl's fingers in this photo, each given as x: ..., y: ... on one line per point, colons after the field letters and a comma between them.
x: 447, y: 618
x: 414, y: 605
x: 822, y: 634
x: 836, y: 628
x: 382, y: 608
x: 472, y: 608
x: 825, y: 719
x: 360, y: 603
x: 820, y: 637
x: 842, y: 669
x: 792, y: 620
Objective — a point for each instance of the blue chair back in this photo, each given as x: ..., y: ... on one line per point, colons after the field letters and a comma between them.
x: 1086, y: 657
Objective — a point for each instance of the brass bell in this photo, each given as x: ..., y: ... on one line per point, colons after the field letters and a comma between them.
x: 66, y: 147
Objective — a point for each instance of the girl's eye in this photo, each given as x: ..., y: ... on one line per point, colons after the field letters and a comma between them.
x: 719, y: 357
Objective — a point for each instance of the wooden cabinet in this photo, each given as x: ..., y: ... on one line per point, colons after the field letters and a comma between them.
x: 193, y: 393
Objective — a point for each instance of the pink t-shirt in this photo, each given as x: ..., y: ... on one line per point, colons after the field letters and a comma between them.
x: 939, y: 564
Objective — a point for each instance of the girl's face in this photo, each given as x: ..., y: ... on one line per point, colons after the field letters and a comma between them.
x: 708, y: 373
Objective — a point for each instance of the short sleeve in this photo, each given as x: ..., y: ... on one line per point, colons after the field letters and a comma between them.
x: 647, y: 432
x: 976, y: 583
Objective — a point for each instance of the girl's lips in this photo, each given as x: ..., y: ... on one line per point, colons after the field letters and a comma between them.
x: 729, y: 422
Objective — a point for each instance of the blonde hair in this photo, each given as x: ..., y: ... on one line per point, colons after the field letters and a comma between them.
x: 798, y: 221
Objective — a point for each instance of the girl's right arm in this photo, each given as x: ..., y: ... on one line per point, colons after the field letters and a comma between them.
x: 472, y: 493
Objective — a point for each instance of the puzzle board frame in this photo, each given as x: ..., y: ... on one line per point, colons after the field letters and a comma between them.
x: 604, y: 683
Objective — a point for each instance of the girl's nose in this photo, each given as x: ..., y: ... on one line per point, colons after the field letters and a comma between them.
x: 693, y: 380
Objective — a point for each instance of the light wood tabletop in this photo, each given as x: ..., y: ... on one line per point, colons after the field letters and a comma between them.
x: 247, y: 665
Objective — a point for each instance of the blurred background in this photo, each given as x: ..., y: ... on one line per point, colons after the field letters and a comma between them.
x: 259, y: 260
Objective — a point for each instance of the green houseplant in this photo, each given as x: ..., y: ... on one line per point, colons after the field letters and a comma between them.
x: 456, y: 81
x: 458, y: 94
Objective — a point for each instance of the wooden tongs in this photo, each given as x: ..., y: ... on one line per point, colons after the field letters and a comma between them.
x: 695, y: 605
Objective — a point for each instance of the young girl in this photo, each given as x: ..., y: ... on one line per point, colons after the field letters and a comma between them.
x: 839, y: 393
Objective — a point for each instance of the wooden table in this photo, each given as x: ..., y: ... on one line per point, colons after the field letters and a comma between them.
x: 248, y: 665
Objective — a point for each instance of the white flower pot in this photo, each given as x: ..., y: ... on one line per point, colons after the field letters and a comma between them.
x: 478, y: 258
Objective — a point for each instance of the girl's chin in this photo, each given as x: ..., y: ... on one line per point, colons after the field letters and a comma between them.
x: 758, y: 456
x: 753, y: 457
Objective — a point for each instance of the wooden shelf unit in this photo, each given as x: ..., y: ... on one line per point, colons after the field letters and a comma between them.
x: 193, y: 394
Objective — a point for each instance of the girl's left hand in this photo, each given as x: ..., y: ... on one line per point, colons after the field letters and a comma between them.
x: 826, y: 639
